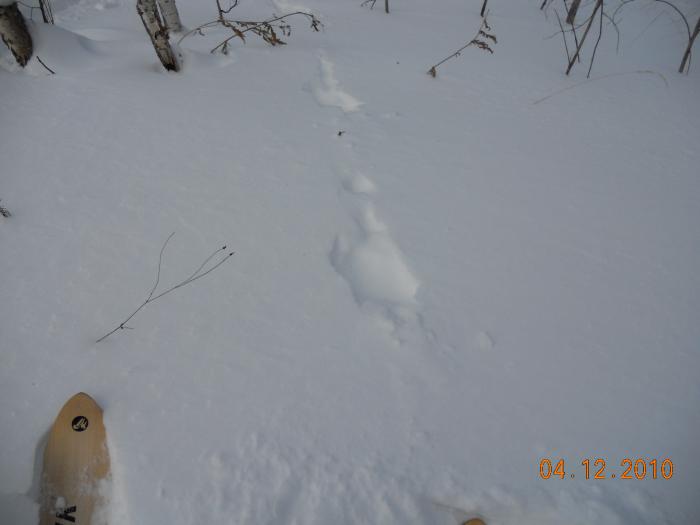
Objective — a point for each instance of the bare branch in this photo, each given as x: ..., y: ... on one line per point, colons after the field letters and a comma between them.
x: 479, y: 40
x: 563, y: 34
x: 198, y: 274
x: 617, y: 30
x: 686, y: 55
x: 595, y: 48
x: 47, y: 67
x: 640, y: 72
x: 680, y: 13
x: 160, y: 262
x: 598, y: 5
x: 223, y: 11
x: 571, y: 15
x: 573, y: 30
x: 266, y: 29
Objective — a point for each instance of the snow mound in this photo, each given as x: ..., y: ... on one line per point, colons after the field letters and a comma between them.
x: 328, y: 91
x: 66, y: 52
x: 371, y: 262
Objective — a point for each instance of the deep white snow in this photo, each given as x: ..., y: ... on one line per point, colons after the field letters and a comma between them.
x: 436, y: 282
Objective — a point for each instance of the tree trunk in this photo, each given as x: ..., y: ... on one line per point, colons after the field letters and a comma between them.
x: 46, y: 11
x: 686, y: 55
x: 158, y: 32
x: 14, y: 33
x: 170, y: 15
x: 571, y: 16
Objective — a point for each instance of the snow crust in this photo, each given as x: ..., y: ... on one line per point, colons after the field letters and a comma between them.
x: 437, y: 282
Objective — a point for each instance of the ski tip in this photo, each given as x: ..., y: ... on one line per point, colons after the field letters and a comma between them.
x: 82, y: 397
x: 81, y: 402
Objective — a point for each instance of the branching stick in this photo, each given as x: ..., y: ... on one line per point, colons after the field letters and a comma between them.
x: 197, y: 274
x: 598, y: 5
x: 264, y: 29
x: 479, y: 40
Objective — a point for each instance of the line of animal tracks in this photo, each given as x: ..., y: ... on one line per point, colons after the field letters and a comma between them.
x: 366, y: 255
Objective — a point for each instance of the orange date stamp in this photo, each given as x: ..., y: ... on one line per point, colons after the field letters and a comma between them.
x: 599, y: 468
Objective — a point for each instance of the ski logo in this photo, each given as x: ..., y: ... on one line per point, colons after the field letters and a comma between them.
x: 79, y: 423
x: 65, y: 514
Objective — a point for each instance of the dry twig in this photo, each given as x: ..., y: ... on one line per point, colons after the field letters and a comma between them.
x: 640, y: 72
x: 480, y: 40
x: 197, y: 274
x: 686, y: 55
x: 372, y: 2
x: 265, y: 29
x: 45, y: 66
x: 595, y: 48
x: 598, y: 5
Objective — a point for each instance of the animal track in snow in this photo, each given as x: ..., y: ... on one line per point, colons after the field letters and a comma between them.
x: 372, y: 263
x: 328, y: 92
x: 360, y: 185
x: 484, y: 341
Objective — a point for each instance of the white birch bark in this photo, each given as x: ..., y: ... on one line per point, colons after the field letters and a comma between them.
x: 46, y: 11
x: 14, y: 33
x: 158, y: 32
x: 170, y: 15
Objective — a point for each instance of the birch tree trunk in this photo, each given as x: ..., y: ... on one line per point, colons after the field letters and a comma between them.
x: 14, y: 33
x: 170, y: 15
x: 158, y: 32
x: 46, y: 11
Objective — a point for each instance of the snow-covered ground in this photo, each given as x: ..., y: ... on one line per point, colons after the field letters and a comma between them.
x: 436, y: 282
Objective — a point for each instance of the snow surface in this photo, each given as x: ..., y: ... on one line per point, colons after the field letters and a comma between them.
x: 437, y: 282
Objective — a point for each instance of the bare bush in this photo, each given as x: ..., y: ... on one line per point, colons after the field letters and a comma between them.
x: 483, y: 39
x: 268, y: 30
x: 598, y: 16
